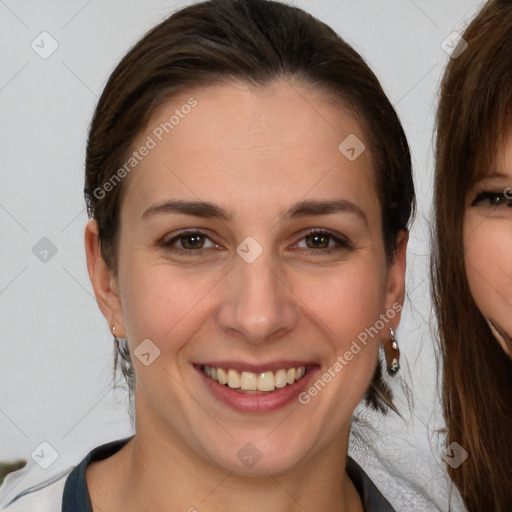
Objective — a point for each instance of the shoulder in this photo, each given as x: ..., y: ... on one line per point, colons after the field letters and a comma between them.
x: 66, y: 491
x: 44, y: 497
x: 372, y: 498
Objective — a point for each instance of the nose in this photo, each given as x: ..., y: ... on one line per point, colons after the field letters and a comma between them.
x: 258, y: 304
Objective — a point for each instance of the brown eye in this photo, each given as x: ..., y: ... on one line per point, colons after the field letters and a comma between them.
x: 320, y: 242
x: 492, y: 199
x: 188, y: 242
x: 193, y: 241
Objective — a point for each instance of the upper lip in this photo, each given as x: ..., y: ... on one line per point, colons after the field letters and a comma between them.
x: 242, y: 366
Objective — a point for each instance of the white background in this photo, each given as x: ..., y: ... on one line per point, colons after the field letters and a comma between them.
x: 56, y: 349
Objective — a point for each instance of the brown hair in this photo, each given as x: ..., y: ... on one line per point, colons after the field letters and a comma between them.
x: 473, y: 120
x: 257, y: 42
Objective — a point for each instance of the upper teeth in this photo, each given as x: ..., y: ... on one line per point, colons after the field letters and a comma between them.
x: 249, y: 381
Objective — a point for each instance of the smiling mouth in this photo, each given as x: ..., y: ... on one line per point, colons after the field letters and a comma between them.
x: 255, y: 383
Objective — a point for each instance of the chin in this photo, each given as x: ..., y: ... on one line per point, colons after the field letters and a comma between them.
x: 259, y: 458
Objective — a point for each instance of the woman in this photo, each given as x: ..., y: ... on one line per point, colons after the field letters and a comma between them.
x: 249, y: 187
x: 472, y: 264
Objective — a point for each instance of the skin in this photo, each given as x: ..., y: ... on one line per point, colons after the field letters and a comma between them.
x: 488, y: 245
x: 254, y: 152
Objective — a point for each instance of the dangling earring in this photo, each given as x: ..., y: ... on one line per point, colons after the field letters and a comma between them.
x: 392, y: 353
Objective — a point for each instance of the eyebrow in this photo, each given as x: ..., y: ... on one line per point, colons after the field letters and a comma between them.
x: 301, y: 209
x: 495, y: 175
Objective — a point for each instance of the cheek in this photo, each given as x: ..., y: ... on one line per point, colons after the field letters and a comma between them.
x: 489, y: 266
x: 347, y: 300
x: 349, y: 310
x: 170, y: 306
x: 159, y: 301
x: 158, y: 295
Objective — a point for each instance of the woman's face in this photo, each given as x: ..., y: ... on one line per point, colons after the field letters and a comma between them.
x: 488, y: 247
x: 231, y: 279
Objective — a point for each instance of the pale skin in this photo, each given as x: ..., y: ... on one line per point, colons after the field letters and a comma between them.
x: 488, y: 246
x: 255, y: 153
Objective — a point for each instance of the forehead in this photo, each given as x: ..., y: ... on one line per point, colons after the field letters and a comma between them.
x: 234, y: 141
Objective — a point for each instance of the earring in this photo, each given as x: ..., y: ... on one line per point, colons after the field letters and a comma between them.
x: 119, y: 342
x: 116, y: 339
x: 392, y: 353
x: 123, y: 359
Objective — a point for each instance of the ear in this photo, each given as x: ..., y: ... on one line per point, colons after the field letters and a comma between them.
x: 103, y: 281
x: 395, y: 292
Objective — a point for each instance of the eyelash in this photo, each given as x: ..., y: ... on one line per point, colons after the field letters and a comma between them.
x: 489, y: 196
x: 342, y: 242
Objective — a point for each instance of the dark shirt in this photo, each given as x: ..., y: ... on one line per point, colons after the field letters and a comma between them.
x: 76, y: 496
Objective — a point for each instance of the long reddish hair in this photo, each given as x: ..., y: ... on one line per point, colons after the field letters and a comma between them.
x: 474, y: 119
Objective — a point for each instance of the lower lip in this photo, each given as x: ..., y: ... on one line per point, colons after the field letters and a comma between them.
x: 277, y: 399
